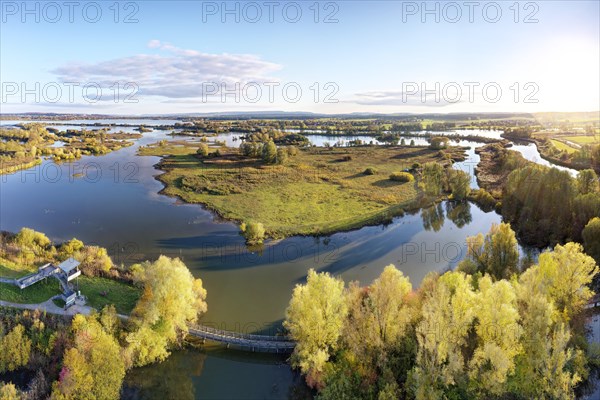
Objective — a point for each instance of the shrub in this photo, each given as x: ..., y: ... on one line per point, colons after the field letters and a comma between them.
x: 483, y: 199
x: 254, y: 232
x: 402, y: 177
x: 202, y: 150
x: 282, y: 155
x: 370, y: 171
x: 269, y: 153
x: 292, y: 151
x: 439, y: 142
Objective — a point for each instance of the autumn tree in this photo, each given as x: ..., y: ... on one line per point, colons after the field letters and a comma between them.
x: 496, y: 254
x: 498, y: 335
x: 94, y: 367
x: 542, y: 369
x: 171, y: 300
x: 69, y: 248
x: 388, y: 304
x: 447, y: 315
x: 379, y: 319
x: 314, y: 319
x: 8, y: 391
x: 94, y: 260
x: 567, y: 272
x: 15, y: 349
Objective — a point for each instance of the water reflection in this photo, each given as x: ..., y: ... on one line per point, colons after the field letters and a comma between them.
x: 433, y: 217
x: 115, y: 203
x: 207, y: 374
x: 459, y: 213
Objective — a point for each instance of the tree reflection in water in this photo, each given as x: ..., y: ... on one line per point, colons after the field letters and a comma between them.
x: 433, y: 217
x: 171, y: 379
x: 459, y: 213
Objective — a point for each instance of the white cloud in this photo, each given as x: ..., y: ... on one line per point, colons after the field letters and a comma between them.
x: 173, y: 73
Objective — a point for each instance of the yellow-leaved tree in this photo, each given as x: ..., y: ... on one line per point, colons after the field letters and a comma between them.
x: 314, y: 319
x: 94, y: 367
x: 566, y: 273
x: 447, y: 317
x: 171, y: 300
x: 498, y: 334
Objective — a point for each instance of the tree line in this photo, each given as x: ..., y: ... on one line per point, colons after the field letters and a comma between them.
x: 492, y: 329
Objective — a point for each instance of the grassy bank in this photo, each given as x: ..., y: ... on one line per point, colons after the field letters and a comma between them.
x: 318, y: 191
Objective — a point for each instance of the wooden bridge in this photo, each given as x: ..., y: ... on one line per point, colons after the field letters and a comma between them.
x: 243, y: 341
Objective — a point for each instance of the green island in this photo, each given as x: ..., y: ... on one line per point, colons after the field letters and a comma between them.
x: 312, y: 191
x: 24, y: 147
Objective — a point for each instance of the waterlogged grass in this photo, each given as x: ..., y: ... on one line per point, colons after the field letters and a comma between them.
x: 37, y: 293
x: 101, y: 292
x: 318, y: 191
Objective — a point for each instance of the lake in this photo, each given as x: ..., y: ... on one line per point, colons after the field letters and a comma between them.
x: 115, y: 203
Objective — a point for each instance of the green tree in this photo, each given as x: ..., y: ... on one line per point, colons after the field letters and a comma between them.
x: 254, y: 232
x: 591, y: 238
x: 282, y: 155
x: 269, y: 153
x: 459, y: 182
x: 530, y: 202
x: 587, y: 181
x: 202, y: 150
x: 433, y: 178
x: 314, y: 319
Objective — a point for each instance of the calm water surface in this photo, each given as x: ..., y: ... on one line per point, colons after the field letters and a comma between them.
x: 113, y: 201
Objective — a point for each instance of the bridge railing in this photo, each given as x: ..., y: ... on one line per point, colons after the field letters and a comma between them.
x: 239, y: 335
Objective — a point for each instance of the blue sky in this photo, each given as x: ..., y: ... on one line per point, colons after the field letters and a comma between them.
x: 368, y: 56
